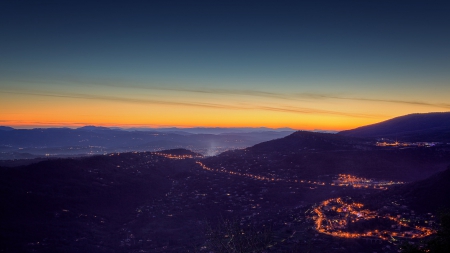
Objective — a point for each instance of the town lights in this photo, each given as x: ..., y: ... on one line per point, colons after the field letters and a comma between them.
x: 355, y: 213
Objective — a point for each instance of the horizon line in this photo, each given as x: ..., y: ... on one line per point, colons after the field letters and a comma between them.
x: 125, y: 127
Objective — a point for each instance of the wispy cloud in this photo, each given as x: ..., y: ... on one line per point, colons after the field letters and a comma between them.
x: 213, y: 91
x: 409, y: 102
x: 284, y: 96
x: 286, y: 109
x: 128, y: 84
x: 119, y: 99
x: 42, y: 123
x: 315, y: 111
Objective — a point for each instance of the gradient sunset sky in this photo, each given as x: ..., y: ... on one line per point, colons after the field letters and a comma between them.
x: 329, y: 65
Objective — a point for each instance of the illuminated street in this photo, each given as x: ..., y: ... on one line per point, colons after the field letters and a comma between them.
x: 343, y: 180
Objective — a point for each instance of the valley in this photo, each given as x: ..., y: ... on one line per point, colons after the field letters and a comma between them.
x: 187, y: 199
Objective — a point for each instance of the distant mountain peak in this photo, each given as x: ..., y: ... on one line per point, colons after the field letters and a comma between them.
x: 93, y: 128
x: 4, y: 128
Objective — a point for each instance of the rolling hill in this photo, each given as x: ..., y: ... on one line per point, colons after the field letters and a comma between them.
x: 72, y: 203
x: 304, y: 140
x: 418, y: 127
x: 428, y: 195
x: 309, y: 155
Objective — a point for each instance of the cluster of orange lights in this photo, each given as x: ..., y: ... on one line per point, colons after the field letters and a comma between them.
x: 171, y: 156
x: 359, y: 182
x: 354, y: 212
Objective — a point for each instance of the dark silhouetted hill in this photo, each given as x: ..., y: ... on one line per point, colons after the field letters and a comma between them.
x: 64, y: 200
x: 310, y: 155
x: 413, y: 127
x: 180, y: 152
x: 3, y: 128
x: 93, y: 128
x: 428, y: 195
x: 304, y: 140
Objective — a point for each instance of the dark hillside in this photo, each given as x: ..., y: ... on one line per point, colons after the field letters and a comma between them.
x: 428, y: 195
x: 64, y: 200
x: 307, y: 155
x: 180, y: 152
x: 304, y: 140
x: 413, y: 127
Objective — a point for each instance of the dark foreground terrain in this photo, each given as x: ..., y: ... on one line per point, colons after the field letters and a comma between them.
x: 264, y: 199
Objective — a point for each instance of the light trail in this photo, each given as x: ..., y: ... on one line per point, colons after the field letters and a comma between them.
x: 257, y: 177
x: 278, y: 179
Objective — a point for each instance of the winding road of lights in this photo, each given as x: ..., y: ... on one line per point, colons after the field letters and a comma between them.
x: 374, y: 185
x: 344, y: 180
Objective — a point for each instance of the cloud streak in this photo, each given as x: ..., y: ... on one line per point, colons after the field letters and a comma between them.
x: 409, y: 102
x: 285, y: 109
x: 265, y: 94
x: 233, y: 92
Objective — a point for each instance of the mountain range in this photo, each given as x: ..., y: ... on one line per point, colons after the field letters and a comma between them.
x: 89, y: 140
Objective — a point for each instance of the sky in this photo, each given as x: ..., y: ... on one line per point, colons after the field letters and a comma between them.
x: 329, y: 65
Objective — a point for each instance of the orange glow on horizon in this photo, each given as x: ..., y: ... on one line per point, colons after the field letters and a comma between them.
x: 24, y: 124
x: 34, y: 111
